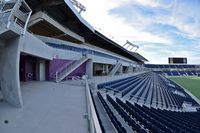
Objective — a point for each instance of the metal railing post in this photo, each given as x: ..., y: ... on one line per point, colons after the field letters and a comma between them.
x: 56, y: 76
x: 26, y: 24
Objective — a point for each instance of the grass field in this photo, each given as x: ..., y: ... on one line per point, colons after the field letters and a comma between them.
x: 190, y: 83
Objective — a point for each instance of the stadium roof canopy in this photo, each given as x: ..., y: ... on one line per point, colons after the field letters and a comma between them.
x: 65, y: 14
x: 140, y: 57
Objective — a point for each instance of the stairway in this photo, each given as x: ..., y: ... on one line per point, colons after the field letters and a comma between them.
x: 61, y: 74
x: 115, y: 69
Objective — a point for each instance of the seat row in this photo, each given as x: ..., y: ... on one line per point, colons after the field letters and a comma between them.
x: 179, y: 72
x: 143, y: 119
x: 150, y: 88
x: 118, y: 126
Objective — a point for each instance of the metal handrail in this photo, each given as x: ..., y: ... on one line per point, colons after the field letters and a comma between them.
x: 26, y: 24
x: 61, y: 68
x: 18, y: 10
x: 94, y: 124
x: 59, y: 74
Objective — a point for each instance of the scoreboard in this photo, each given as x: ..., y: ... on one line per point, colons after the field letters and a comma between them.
x: 179, y: 60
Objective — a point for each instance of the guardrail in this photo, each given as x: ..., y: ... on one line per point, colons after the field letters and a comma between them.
x: 19, y: 13
x: 94, y: 125
x: 61, y: 73
x: 101, y: 79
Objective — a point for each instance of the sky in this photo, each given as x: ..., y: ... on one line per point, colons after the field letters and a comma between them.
x: 161, y: 28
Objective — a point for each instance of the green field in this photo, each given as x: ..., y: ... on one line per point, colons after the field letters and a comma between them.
x: 190, y: 83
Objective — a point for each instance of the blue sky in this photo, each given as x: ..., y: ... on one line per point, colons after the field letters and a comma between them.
x: 161, y: 28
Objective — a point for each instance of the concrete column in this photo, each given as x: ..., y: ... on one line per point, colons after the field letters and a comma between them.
x: 41, y: 70
x: 89, y: 68
x: 107, y: 70
x: 120, y: 69
x: 130, y: 69
x: 9, y: 72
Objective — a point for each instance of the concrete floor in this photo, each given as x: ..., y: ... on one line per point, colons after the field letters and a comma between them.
x: 48, y: 108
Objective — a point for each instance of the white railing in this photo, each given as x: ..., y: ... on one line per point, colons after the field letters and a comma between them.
x: 92, y: 114
x: 53, y: 74
x: 61, y: 73
x: 5, y: 12
x: 19, y: 13
x: 4, y: 18
x: 102, y: 79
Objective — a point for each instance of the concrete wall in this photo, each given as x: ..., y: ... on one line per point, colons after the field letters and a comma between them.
x: 68, y: 54
x: 33, y: 46
x: 9, y: 72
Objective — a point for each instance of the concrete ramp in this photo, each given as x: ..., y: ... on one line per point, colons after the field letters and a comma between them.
x: 33, y: 46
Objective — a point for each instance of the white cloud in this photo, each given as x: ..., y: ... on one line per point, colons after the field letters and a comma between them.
x: 151, y: 3
x: 98, y: 15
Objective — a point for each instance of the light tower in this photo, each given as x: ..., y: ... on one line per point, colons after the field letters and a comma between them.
x: 129, y: 44
x: 80, y: 6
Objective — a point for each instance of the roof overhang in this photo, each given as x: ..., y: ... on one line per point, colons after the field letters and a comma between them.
x: 65, y: 14
x: 42, y: 24
x: 139, y: 57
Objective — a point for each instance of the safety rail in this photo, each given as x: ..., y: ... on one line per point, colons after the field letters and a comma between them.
x: 53, y: 74
x: 102, y: 79
x: 15, y: 12
x: 61, y: 73
x: 66, y: 67
x: 94, y: 124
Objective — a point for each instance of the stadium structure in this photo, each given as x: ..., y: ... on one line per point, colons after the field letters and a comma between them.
x: 174, y: 69
x: 59, y: 74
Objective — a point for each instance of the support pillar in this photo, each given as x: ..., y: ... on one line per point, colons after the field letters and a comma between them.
x: 130, y: 69
x: 107, y: 70
x: 89, y: 69
x: 41, y: 70
x: 9, y: 72
x: 120, y: 69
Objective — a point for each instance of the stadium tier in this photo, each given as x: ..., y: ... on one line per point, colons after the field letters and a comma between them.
x: 174, y: 70
x: 144, y: 119
x: 151, y: 89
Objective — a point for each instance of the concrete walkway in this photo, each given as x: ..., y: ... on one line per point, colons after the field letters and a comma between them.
x: 48, y: 108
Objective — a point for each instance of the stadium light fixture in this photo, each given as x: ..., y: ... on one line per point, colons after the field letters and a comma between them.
x: 129, y: 44
x: 80, y: 6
